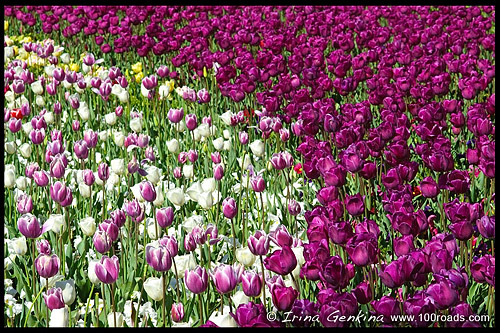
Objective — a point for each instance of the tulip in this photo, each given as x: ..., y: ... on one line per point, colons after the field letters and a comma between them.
x: 54, y: 298
x: 258, y: 243
x: 429, y: 187
x: 258, y: 183
x: 362, y: 249
x: 226, y: 277
x: 177, y: 312
x: 403, y: 245
x: 102, y: 241
x: 243, y: 137
x: 191, y: 121
x: 282, y: 261
x: 110, y: 228
x: 68, y: 290
x: 257, y: 148
x: 47, y: 265
x: 158, y: 258
x: 147, y: 190
x: 251, y: 283
x: 386, y: 307
x: 29, y: 226
x: 173, y: 146
x: 483, y: 269
x: 88, y: 226
x: 443, y: 294
x: 175, y: 115
x: 363, y: 292
x: 283, y: 297
x: 196, y: 280
x: 486, y: 226
x: 24, y: 204
x: 154, y: 288
x: 107, y: 269
x: 355, y: 204
x: 252, y: 315
x: 103, y: 171
x: 218, y: 172
x: 165, y: 216
x: 229, y: 208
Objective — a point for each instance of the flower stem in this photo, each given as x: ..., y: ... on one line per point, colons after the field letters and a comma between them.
x: 163, y: 299
x: 263, y: 283
x: 200, y: 301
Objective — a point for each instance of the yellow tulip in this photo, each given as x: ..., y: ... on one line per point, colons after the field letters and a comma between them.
x: 171, y: 85
x: 23, y: 54
x: 74, y: 67
x: 8, y: 41
x: 137, y: 68
x: 139, y: 77
x: 27, y: 39
x: 16, y: 50
x: 5, y: 25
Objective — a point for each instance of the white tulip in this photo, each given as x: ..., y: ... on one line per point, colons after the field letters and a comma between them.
x: 27, y: 128
x: 118, y: 166
x: 208, y: 184
x: 144, y: 91
x: 246, y: 162
x: 176, y: 196
x: 49, y: 117
x: 68, y: 289
x: 160, y: 198
x: 223, y: 320
x: 103, y: 135
x: 110, y: 118
x: 84, y: 190
x: 154, y: 288
x: 25, y: 150
x: 180, y: 126
x: 205, y: 200
x: 37, y: 87
x: 116, y: 89
x: 84, y: 111
x: 257, y: 148
x: 40, y: 101
x: 119, y: 319
x: 22, y: 183
x: 184, y: 262
x: 59, y: 317
x: 65, y: 58
x: 197, y: 134
x: 164, y: 91
x: 154, y: 174
x: 226, y: 117
x: 218, y: 143
x: 226, y: 134
x: 8, y: 52
x: 10, y: 96
x: 119, y: 138
x: 9, y: 178
x: 136, y: 191
x: 188, y: 170
x: 91, y: 273
x: 173, y: 146
x: 88, y: 226
x: 194, y: 191
x: 17, y: 246
x: 245, y: 256
x: 56, y: 223
x: 124, y: 96
x: 136, y: 124
x: 239, y: 297
x: 49, y: 70
x: 227, y: 145
x: 299, y: 255
x: 67, y: 85
x: 152, y: 227
x: 204, y: 130
x: 10, y: 147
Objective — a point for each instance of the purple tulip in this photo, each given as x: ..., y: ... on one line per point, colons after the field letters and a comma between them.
x: 47, y: 265
x: 165, y: 216
x: 216, y: 157
x: 229, y: 208
x: 171, y: 244
x: 90, y: 138
x: 283, y: 297
x: 429, y: 187
x: 486, y: 226
x: 403, y: 245
x: 192, y: 155
x: 363, y: 249
x: 294, y: 208
x: 147, y: 190
x: 103, y: 171
x: 196, y: 280
x: 175, y: 115
x: 251, y: 283
x: 177, y: 312
x: 158, y: 258
x: 281, y: 261
x: 150, y: 82
x: 386, y: 307
x: 218, y: 172
x: 107, y: 269
x: 226, y: 277
x: 443, y: 294
x: 355, y: 204
x: 24, y: 204
x: 258, y: 243
x: 258, y: 183
x: 75, y: 125
x: 251, y: 315
x: 335, y: 273
x: 102, y: 241
x: 54, y: 298
x: 203, y: 96
x: 88, y: 177
x: 281, y: 236
x: 363, y: 293
x: 243, y: 137
x: 483, y: 269
x: 191, y: 121
x: 29, y: 226
x: 110, y: 228
x: 41, y: 178
x: 43, y: 247
x: 118, y: 217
